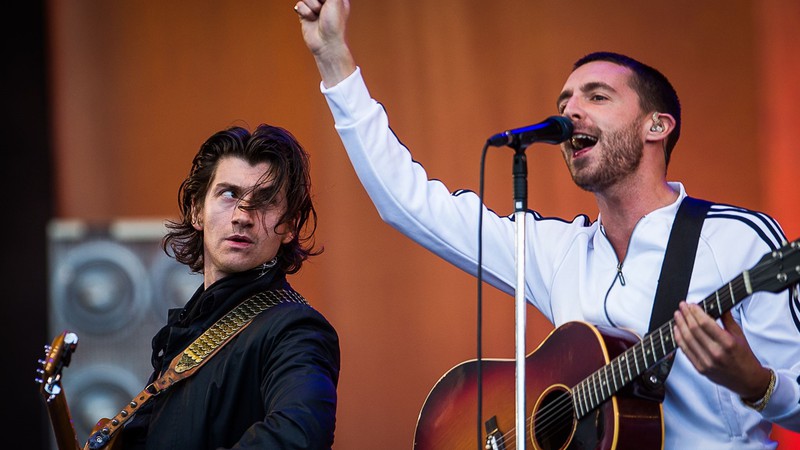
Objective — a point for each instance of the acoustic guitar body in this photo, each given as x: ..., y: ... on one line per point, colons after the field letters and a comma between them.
x: 572, y: 352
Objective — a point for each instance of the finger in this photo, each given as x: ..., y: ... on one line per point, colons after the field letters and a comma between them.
x: 715, y: 337
x: 692, y: 320
x: 314, y: 5
x: 305, y: 12
x: 717, y: 341
x: 730, y: 325
x: 683, y: 335
x: 684, y: 339
x: 696, y: 343
x: 702, y: 325
x: 679, y: 324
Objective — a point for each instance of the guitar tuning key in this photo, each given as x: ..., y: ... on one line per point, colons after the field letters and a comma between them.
x: 71, y: 338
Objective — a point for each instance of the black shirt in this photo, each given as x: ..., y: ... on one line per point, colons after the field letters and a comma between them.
x: 272, y: 386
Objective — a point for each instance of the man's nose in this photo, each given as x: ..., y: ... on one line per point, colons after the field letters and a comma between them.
x: 573, y: 109
x: 242, y: 214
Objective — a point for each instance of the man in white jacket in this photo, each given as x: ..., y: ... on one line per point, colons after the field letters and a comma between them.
x: 731, y: 379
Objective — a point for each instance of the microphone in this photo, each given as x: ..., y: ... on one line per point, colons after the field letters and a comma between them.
x: 553, y: 130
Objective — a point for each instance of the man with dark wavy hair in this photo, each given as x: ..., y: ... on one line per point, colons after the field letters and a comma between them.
x: 246, y: 220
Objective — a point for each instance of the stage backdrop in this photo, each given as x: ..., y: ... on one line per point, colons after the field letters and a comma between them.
x: 137, y: 87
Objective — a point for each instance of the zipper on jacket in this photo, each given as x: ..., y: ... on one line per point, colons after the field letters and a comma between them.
x: 620, y: 276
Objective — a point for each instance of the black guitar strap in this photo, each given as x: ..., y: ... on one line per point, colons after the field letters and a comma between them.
x: 673, y: 283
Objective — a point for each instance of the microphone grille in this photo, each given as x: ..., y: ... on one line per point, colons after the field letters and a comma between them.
x: 565, y: 125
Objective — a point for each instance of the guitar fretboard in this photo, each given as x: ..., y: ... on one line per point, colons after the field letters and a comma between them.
x: 602, y: 384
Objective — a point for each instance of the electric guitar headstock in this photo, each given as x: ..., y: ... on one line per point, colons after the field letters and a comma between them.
x: 48, y: 376
x: 57, y: 356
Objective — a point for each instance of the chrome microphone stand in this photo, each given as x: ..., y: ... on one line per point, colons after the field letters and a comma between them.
x: 553, y: 130
x: 520, y: 173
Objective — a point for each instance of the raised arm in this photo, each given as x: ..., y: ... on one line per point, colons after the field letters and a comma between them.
x: 323, y: 23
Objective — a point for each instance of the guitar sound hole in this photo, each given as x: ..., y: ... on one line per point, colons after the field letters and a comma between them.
x: 553, y: 420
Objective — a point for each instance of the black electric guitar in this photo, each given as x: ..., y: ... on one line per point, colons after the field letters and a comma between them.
x: 581, y: 382
x: 57, y: 356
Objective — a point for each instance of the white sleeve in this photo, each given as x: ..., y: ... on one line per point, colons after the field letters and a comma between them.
x: 424, y: 209
x: 771, y: 325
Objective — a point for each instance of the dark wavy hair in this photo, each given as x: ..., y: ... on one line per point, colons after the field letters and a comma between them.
x: 654, y: 89
x: 289, y: 174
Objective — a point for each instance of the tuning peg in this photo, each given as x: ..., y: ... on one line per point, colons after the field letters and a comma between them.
x: 71, y: 338
x: 38, y: 380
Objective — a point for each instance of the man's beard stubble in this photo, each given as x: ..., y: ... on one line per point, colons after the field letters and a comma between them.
x: 622, y: 153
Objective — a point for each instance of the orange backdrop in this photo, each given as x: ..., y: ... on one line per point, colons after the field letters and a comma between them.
x: 137, y: 87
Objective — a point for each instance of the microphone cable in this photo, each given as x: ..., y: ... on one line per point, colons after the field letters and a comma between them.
x: 479, y: 276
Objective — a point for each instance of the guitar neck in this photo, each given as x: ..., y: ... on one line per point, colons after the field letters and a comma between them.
x: 602, y: 384
x: 60, y: 418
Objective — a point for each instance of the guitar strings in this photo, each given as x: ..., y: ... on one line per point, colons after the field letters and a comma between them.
x: 723, y: 296
x: 559, y: 409
x: 552, y: 416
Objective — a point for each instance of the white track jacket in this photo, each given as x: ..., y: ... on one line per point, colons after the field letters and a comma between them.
x: 572, y: 272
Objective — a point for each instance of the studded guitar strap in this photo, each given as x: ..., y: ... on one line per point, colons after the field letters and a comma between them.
x: 186, y: 363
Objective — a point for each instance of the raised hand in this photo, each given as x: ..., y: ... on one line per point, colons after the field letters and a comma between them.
x: 323, y: 24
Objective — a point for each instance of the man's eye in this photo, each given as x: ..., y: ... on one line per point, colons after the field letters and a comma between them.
x: 599, y: 97
x: 228, y: 194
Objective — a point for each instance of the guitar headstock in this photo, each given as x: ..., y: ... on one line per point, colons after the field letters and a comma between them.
x: 57, y: 356
x: 777, y: 270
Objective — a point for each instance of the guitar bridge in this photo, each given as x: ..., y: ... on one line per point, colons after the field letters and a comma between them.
x: 494, y: 438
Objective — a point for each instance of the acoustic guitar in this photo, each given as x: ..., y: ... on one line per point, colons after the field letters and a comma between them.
x: 583, y: 385
x: 57, y: 356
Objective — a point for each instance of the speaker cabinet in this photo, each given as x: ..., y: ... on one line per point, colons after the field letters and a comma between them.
x: 112, y: 285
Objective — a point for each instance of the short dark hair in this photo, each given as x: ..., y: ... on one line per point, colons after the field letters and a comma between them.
x: 655, y: 91
x: 289, y: 173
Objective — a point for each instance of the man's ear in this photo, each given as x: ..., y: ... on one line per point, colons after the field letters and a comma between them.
x: 659, y: 126
x: 196, y: 222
